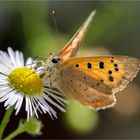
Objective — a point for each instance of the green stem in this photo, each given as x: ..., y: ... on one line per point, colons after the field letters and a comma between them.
x: 18, y: 131
x: 5, y: 120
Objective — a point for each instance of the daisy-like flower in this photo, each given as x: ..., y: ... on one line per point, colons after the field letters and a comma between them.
x: 22, y: 83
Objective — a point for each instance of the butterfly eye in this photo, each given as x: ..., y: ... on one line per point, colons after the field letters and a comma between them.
x: 55, y: 60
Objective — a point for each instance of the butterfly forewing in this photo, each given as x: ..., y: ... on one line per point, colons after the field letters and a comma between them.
x: 94, y: 80
x: 73, y: 45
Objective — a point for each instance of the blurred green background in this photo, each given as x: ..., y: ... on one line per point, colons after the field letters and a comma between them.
x: 28, y: 26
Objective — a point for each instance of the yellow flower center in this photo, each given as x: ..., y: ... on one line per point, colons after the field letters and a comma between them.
x: 26, y: 81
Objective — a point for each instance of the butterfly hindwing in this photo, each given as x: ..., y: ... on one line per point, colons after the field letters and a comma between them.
x: 94, y: 80
x: 85, y: 89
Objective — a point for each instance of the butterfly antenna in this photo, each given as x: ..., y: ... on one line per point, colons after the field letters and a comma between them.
x: 55, y: 24
x: 3, y: 74
x: 34, y: 72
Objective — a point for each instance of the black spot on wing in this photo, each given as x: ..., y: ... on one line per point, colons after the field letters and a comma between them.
x: 111, y: 78
x: 112, y: 59
x: 116, y: 69
x: 115, y: 65
x: 77, y: 65
x: 102, y: 81
x: 85, y: 78
x: 89, y: 65
x: 101, y: 65
x: 109, y: 72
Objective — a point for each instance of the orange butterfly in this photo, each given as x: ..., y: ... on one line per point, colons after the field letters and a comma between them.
x: 93, y: 81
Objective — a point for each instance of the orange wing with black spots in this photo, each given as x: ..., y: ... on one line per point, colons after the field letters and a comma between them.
x: 94, y: 80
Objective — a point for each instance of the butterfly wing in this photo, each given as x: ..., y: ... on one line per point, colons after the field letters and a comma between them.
x: 94, y: 80
x: 74, y: 85
x: 73, y: 45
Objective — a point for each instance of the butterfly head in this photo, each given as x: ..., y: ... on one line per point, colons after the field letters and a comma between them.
x: 53, y: 60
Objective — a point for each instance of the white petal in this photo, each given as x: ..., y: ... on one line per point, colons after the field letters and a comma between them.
x: 17, y: 56
x: 37, y: 105
x: 12, y: 57
x: 19, y: 103
x: 3, y: 69
x: 29, y: 62
x: 5, y: 59
x: 4, y: 88
x: 12, y: 100
x: 46, y: 106
x: 3, y: 62
x: 56, y: 97
x: 47, y: 88
x: 41, y: 101
x: 52, y: 102
x: 21, y: 58
x: 4, y: 82
x: 7, y: 96
x: 34, y: 106
x: 30, y: 107
x: 27, y: 107
x: 4, y: 91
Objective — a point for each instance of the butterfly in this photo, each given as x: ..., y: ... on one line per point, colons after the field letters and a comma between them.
x: 93, y: 81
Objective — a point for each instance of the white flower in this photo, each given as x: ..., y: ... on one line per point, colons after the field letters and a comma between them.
x: 19, y: 82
